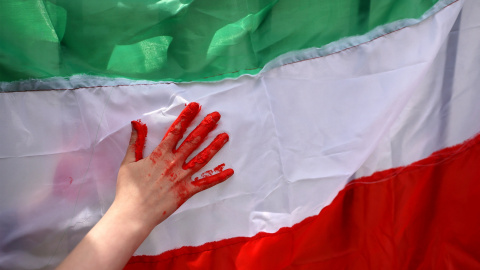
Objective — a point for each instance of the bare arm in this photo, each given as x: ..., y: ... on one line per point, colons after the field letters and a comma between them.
x: 148, y: 191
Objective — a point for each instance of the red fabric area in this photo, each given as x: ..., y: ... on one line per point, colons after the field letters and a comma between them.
x: 423, y: 216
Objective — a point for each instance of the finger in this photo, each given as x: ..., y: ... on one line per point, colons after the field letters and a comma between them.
x: 141, y: 130
x: 137, y: 142
x: 177, y: 129
x: 210, y: 181
x: 207, y: 154
x: 196, y: 137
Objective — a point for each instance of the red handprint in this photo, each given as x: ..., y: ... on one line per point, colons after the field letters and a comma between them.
x: 161, y: 182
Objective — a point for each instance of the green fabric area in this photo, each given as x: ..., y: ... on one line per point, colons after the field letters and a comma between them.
x: 176, y: 40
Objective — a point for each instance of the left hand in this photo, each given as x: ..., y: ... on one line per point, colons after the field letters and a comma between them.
x: 150, y: 189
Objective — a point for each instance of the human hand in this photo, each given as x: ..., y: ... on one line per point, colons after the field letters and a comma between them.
x: 150, y: 189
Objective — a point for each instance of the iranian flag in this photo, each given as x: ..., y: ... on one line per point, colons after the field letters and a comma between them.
x: 353, y: 129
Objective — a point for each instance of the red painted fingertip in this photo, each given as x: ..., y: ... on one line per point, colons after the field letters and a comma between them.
x: 229, y: 172
x: 216, y: 116
x: 210, y: 121
x: 194, y: 106
x: 185, y: 118
x: 218, y: 142
x: 208, y: 124
x: 189, y: 113
x: 222, y: 137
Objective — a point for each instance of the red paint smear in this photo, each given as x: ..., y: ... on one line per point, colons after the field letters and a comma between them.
x: 142, y: 131
x: 204, y: 156
x: 184, y: 119
x: 155, y: 155
x: 423, y: 216
x: 183, y: 193
x: 217, y: 169
x: 173, y: 177
x: 213, y: 179
x: 205, y: 174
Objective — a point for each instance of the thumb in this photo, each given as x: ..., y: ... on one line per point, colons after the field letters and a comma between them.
x: 137, y: 142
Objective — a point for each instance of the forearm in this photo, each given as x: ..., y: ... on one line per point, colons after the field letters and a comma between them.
x: 109, y: 244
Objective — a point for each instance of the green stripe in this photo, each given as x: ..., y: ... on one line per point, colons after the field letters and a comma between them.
x: 176, y: 40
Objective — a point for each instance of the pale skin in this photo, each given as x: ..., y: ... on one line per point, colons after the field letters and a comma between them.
x: 148, y: 191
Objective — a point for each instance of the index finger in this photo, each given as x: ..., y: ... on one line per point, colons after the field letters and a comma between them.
x: 177, y: 129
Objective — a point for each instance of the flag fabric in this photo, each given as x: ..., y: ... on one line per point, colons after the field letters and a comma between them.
x: 353, y: 129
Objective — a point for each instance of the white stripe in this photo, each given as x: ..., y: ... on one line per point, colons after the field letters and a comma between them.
x: 298, y: 132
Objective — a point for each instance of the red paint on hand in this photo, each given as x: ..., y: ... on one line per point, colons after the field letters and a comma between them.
x: 203, y: 157
x: 217, y: 169
x: 184, y: 120
x: 167, y: 178
x: 207, y: 125
x: 214, y: 179
x: 142, y: 131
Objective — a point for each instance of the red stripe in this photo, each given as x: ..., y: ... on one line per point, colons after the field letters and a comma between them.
x: 423, y: 216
